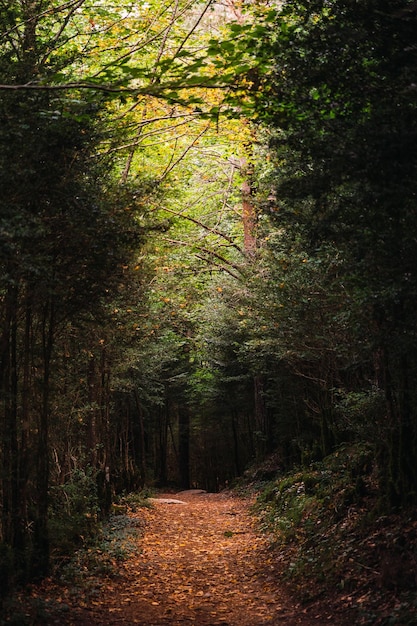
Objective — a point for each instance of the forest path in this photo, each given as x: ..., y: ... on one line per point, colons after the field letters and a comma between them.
x: 201, y: 561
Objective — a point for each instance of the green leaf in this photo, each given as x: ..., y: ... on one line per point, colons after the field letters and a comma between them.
x: 227, y: 46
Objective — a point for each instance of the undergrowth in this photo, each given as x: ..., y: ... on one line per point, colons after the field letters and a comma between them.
x: 114, y: 542
x: 79, y: 576
x: 330, y: 535
x: 306, y: 508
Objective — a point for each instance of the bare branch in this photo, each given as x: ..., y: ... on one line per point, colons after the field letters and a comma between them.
x: 220, y: 257
x: 209, y: 252
x: 220, y: 267
x: 172, y: 164
x: 145, y: 91
x: 193, y: 29
x: 207, y: 228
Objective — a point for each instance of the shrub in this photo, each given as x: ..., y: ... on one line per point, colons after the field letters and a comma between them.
x: 74, y: 512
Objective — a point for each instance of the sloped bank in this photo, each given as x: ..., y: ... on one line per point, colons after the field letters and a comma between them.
x: 335, y: 543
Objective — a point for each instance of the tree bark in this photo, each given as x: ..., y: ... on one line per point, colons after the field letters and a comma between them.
x: 142, y: 446
x: 10, y: 442
x: 184, y: 446
x: 40, y: 561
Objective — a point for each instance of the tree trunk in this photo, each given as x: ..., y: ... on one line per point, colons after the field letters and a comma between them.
x: 25, y: 418
x: 40, y: 560
x: 236, y: 442
x: 249, y: 219
x: 263, y: 440
x: 92, y: 412
x: 12, y: 531
x: 162, y: 444
x: 184, y: 446
x: 142, y: 446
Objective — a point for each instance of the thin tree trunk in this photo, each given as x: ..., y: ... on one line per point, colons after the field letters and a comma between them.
x: 40, y: 561
x: 10, y: 452
x: 184, y: 446
x: 236, y: 443
x: 261, y: 418
x: 92, y: 413
x: 142, y: 446
x: 163, y: 446
x: 25, y: 419
x: 249, y: 219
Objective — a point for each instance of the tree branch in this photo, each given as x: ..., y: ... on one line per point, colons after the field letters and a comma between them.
x: 207, y: 228
x: 219, y: 266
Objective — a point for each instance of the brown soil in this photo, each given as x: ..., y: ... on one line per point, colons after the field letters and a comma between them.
x: 200, y: 562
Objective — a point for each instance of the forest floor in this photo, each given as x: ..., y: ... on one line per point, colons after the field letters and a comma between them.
x: 198, y: 559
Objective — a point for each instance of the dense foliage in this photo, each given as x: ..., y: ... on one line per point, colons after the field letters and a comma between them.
x: 339, y: 99
x: 181, y: 293
x: 65, y: 237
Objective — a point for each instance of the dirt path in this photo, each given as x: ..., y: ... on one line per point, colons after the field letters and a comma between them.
x: 200, y: 562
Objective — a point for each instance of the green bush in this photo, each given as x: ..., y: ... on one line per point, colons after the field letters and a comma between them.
x: 304, y: 509
x: 116, y: 541
x: 73, y: 515
x: 135, y: 500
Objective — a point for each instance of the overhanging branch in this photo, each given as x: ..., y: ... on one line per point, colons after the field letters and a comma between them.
x: 162, y: 93
x: 206, y: 227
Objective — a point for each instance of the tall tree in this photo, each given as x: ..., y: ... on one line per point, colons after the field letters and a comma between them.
x: 63, y: 244
x: 338, y: 87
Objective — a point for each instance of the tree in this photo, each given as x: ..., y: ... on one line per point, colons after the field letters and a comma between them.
x: 64, y: 241
x: 338, y: 89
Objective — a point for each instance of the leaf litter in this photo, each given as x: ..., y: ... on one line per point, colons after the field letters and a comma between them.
x: 201, y: 562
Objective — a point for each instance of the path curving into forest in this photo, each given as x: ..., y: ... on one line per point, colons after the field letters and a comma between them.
x: 203, y: 562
